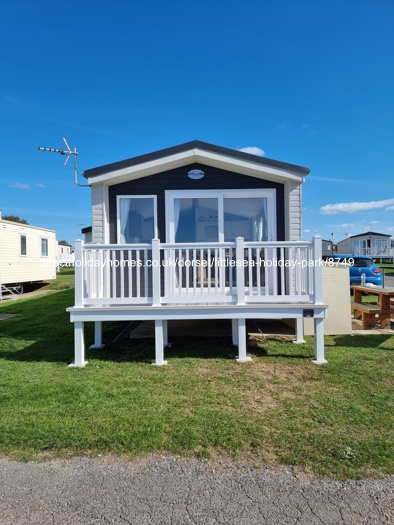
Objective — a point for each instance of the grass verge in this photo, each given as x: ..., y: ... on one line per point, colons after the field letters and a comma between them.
x: 334, y: 420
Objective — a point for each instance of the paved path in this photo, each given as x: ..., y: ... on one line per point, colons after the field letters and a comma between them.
x: 173, y: 491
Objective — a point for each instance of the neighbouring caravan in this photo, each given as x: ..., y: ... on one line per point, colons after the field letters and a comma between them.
x: 65, y: 255
x: 27, y: 254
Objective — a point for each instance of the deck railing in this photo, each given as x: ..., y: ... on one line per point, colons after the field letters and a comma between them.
x: 198, y: 273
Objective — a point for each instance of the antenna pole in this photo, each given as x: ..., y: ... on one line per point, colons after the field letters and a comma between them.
x: 68, y: 152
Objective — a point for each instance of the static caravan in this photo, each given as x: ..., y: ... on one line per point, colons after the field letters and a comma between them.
x: 368, y: 243
x: 65, y: 255
x: 27, y: 254
x: 197, y: 231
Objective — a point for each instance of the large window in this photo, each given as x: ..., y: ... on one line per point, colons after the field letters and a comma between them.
x: 23, y: 245
x: 245, y: 217
x: 137, y: 219
x: 44, y: 247
x: 381, y: 245
x: 217, y: 216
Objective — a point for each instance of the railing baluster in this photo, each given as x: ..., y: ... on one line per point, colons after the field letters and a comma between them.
x: 266, y: 280
x: 195, y: 270
x: 219, y: 271
x: 209, y: 270
x: 113, y: 275
x: 138, y: 275
x: 282, y: 273
x: 231, y: 270
x: 202, y: 270
x: 121, y: 269
x: 146, y: 273
x: 129, y: 276
x: 187, y: 270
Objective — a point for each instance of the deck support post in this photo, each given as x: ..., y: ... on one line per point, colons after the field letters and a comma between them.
x: 79, y: 346
x: 242, y: 357
x: 234, y: 330
x: 159, y: 343
x: 319, y: 342
x: 299, y: 331
x: 98, y: 336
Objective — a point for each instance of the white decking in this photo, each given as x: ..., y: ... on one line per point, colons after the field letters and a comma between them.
x: 160, y: 282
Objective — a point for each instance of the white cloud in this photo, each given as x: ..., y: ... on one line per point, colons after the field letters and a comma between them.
x: 389, y: 208
x: 352, y: 207
x: 305, y: 128
x: 9, y: 100
x: 318, y: 178
x: 348, y: 225
x: 390, y: 229
x: 254, y: 150
x: 20, y: 186
x: 40, y: 185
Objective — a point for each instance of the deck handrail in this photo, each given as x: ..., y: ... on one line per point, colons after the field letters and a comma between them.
x: 104, y: 273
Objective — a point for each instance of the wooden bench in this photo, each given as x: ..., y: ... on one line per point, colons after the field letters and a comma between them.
x: 368, y: 313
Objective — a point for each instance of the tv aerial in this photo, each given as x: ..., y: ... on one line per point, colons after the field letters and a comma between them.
x: 68, y: 153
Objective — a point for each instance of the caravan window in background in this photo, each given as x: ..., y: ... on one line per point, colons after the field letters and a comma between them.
x: 44, y: 247
x: 23, y: 245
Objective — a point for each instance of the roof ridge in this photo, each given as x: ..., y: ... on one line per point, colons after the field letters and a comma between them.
x: 188, y: 146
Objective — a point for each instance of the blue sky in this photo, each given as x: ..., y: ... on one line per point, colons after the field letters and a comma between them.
x: 310, y: 82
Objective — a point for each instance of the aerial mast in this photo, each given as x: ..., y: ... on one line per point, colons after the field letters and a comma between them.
x: 68, y: 153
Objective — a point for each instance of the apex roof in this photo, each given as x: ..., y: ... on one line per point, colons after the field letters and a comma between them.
x: 189, y: 152
x: 365, y: 234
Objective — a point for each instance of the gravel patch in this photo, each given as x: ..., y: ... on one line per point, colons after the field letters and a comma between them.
x: 171, y: 490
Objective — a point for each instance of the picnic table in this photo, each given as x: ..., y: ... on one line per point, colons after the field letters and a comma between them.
x: 367, y: 311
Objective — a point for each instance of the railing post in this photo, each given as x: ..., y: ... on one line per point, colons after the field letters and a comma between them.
x: 78, y: 273
x: 240, y: 269
x: 317, y: 268
x: 156, y: 282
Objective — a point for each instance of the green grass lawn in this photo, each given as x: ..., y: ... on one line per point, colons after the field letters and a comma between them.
x: 334, y: 420
x: 64, y: 279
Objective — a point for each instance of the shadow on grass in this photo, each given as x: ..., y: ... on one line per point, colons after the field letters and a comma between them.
x: 42, y: 332
x: 359, y: 341
x: 143, y: 350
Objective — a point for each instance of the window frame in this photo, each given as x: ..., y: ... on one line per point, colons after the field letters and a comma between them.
x: 47, y: 246
x: 118, y: 199
x: 221, y: 194
x: 22, y: 236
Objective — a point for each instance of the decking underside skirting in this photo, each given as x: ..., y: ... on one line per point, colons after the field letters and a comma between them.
x: 161, y: 314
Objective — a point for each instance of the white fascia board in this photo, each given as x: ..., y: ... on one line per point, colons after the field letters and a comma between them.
x: 215, y: 160
x: 246, y: 167
x: 144, y: 170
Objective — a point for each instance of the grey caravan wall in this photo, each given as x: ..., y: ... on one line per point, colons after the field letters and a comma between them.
x: 177, y: 179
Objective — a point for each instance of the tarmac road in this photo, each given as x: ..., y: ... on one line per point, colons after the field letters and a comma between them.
x: 173, y: 491
x: 389, y: 280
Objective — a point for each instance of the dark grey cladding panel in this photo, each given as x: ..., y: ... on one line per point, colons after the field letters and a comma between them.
x: 177, y: 179
x: 187, y: 146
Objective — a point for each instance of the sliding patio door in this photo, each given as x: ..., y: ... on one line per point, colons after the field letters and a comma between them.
x: 217, y: 217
